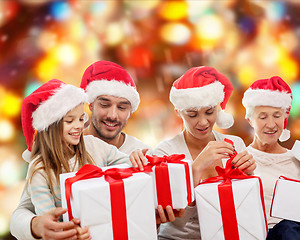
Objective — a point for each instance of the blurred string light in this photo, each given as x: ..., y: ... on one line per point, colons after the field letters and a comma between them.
x: 65, y: 54
x: 77, y: 28
x: 173, y: 10
x: 46, y: 40
x: 31, y: 87
x: 4, y: 225
x: 10, y: 171
x: 209, y: 31
x: 60, y: 10
x: 7, y: 130
x: 8, y: 10
x: 197, y: 9
x: 114, y: 34
x: 97, y: 7
x: 46, y: 68
x: 91, y: 45
x: 175, y: 33
x: 275, y: 11
x: 10, y: 105
x: 288, y: 67
x: 246, y: 75
x: 138, y: 10
x: 295, y: 109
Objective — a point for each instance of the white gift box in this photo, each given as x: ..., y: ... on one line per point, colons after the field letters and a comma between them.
x: 248, y: 207
x: 91, y: 203
x: 179, y: 189
x: 296, y: 149
x: 285, y: 203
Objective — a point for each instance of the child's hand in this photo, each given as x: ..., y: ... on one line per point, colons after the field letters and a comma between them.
x: 138, y: 159
x: 82, y: 233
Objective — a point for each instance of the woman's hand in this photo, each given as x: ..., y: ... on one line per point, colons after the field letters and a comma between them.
x: 138, y: 159
x: 245, y: 162
x: 213, y: 151
x: 167, y: 215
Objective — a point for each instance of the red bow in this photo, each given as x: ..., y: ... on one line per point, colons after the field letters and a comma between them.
x: 91, y: 171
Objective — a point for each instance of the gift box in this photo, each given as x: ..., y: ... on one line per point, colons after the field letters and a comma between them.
x: 296, y: 149
x: 231, y: 206
x: 285, y: 202
x: 114, y: 203
x: 172, y: 180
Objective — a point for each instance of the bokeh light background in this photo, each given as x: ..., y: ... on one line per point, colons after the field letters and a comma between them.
x: 156, y: 41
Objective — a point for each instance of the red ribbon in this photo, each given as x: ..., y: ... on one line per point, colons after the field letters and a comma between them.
x: 290, y: 179
x: 114, y: 177
x: 227, y: 206
x: 163, y: 189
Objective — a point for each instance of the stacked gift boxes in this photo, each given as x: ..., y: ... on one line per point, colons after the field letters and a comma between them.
x: 94, y: 201
x: 166, y: 181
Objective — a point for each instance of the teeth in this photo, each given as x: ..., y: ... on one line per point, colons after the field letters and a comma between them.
x: 75, y: 134
x: 110, y: 124
x: 270, y: 132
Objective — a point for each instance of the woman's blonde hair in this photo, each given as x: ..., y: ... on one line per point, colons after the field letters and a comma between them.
x: 50, y: 155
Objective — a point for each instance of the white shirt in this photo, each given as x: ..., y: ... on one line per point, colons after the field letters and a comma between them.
x: 186, y: 227
x: 131, y: 143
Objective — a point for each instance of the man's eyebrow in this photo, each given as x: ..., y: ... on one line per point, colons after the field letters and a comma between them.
x: 102, y: 98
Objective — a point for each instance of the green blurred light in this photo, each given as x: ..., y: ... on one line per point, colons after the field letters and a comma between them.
x: 295, y: 109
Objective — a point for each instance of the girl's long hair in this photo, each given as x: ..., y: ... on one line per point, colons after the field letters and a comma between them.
x: 50, y: 155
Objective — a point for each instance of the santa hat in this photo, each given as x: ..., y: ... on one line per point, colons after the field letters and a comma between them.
x: 203, y: 87
x: 273, y: 92
x: 108, y: 78
x: 47, y: 105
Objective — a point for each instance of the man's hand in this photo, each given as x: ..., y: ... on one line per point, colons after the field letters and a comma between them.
x: 48, y: 227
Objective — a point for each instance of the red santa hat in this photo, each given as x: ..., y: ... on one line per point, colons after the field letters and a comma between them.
x: 47, y: 105
x: 203, y: 87
x: 273, y: 92
x: 108, y: 78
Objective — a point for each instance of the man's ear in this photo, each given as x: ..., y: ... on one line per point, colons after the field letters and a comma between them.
x: 91, y: 106
x: 177, y: 112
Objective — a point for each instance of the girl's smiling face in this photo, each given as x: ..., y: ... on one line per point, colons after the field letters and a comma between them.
x: 73, y: 123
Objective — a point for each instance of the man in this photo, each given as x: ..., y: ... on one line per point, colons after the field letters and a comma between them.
x: 112, y: 99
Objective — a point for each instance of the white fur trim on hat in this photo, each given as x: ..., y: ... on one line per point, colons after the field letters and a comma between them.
x: 113, y: 88
x: 197, y: 97
x: 262, y: 97
x: 56, y: 106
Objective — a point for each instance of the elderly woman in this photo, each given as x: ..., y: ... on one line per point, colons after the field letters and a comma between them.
x: 197, y: 96
x: 268, y: 103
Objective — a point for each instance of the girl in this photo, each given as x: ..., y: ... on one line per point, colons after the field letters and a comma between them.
x: 56, y: 112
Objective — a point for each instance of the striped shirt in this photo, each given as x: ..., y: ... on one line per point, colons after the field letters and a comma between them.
x: 39, y: 190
